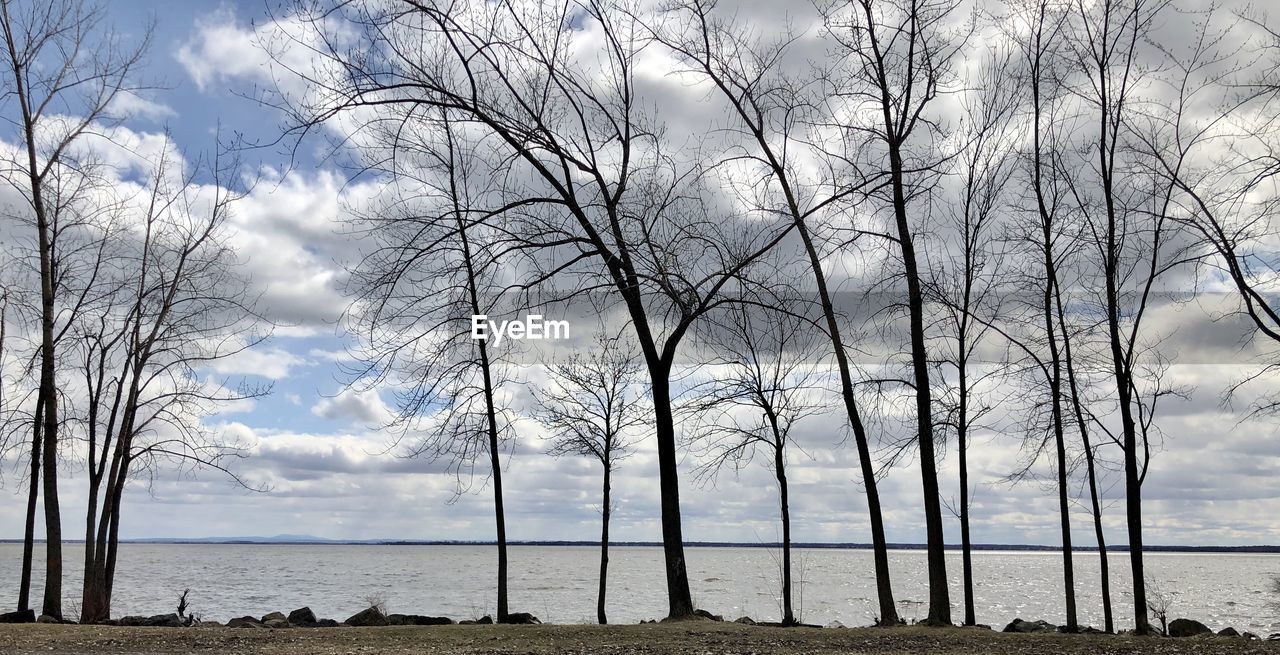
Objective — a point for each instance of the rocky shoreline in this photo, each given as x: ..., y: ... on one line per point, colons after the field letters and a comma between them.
x: 374, y: 617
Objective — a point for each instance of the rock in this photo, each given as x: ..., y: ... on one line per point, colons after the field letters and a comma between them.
x: 273, y: 617
x: 708, y: 615
x: 1187, y: 628
x: 327, y: 623
x: 277, y: 623
x: 485, y: 620
x: 1250, y: 636
x: 521, y: 618
x: 1018, y: 625
x: 45, y: 618
x: 302, y: 616
x: 156, y: 621
x: 1228, y: 632
x: 418, y: 619
x: 245, y: 622
x: 368, y: 618
x: 27, y: 616
x: 1275, y: 636
x: 746, y: 620
x: 206, y: 624
x: 833, y: 624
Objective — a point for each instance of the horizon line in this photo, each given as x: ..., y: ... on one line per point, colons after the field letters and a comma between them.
x: 309, y: 540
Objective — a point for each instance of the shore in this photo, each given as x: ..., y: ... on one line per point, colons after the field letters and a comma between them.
x: 655, y: 639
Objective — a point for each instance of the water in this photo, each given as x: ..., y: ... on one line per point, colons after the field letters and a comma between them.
x: 558, y: 584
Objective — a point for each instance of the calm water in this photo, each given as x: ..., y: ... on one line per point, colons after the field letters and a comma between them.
x: 558, y: 584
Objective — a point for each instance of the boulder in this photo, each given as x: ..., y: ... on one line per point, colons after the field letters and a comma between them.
x: 1228, y: 632
x: 26, y: 616
x: 277, y: 623
x: 707, y: 615
x: 45, y: 618
x: 746, y: 620
x: 1250, y: 636
x: 1018, y: 625
x: 302, y: 616
x: 244, y: 622
x: 156, y: 621
x: 1187, y: 628
x: 326, y: 623
x: 206, y: 624
x: 833, y: 624
x: 418, y: 619
x: 1275, y: 636
x: 521, y: 618
x: 274, y: 616
x: 368, y: 618
x: 485, y: 620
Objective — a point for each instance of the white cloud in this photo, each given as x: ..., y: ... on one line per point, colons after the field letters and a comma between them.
x: 363, y: 407
x: 131, y: 104
x: 268, y: 362
x: 221, y: 49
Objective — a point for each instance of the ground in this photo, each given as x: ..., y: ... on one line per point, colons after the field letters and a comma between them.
x: 698, y: 638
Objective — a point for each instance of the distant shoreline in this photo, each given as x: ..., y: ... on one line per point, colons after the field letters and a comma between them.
x: 318, y: 541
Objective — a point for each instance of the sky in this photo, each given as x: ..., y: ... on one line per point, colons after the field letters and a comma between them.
x: 330, y: 473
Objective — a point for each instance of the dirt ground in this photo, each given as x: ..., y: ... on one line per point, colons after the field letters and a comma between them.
x: 662, y: 639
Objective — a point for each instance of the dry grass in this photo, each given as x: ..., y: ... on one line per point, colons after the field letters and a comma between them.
x: 662, y: 639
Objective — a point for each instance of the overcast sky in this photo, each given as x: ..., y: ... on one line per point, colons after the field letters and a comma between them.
x: 332, y: 476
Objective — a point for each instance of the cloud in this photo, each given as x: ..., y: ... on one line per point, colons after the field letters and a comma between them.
x: 272, y: 363
x: 131, y: 104
x: 221, y: 49
x: 363, y: 407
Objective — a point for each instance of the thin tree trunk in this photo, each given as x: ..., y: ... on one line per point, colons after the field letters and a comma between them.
x: 966, y: 547
x: 1059, y: 438
x: 788, y: 615
x: 33, y: 495
x: 604, y: 548
x: 499, y: 513
x: 880, y: 548
x: 1077, y: 407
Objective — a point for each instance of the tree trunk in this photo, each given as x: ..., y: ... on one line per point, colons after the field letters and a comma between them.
x: 788, y: 615
x: 939, y: 594
x: 680, y: 600
x: 880, y: 548
x: 604, y: 548
x: 1103, y: 565
x: 52, y: 516
x: 33, y: 495
x: 1104, y: 572
x: 966, y: 548
x: 1059, y: 438
x: 495, y: 463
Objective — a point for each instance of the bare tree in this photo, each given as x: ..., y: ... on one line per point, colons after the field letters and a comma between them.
x: 766, y: 380
x: 1132, y: 238
x: 779, y: 123
x: 434, y: 266
x: 969, y: 280
x: 177, y: 306
x: 599, y: 204
x: 899, y: 58
x: 65, y: 68
x: 592, y: 410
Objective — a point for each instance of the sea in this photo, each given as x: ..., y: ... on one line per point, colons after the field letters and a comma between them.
x: 558, y: 584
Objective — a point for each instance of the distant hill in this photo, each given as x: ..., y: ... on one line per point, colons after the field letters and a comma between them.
x: 302, y: 539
